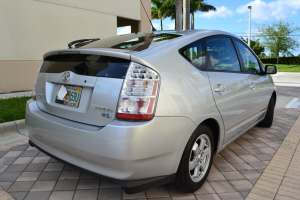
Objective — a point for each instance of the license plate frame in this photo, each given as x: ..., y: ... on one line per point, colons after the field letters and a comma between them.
x: 72, y: 97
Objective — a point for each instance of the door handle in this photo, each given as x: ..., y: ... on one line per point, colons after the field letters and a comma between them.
x: 220, y: 89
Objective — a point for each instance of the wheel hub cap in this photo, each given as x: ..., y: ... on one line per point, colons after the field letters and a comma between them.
x: 200, y: 158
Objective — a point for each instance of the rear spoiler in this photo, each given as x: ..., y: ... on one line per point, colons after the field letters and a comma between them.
x: 81, y: 42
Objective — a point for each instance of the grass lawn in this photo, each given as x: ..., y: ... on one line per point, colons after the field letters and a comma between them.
x: 287, y: 68
x: 13, y: 108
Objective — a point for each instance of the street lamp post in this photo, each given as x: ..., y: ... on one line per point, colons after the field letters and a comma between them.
x: 249, y: 29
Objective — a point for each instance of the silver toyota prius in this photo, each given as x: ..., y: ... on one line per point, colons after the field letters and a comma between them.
x: 146, y: 109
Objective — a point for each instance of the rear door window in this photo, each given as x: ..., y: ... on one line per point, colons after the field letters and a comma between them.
x: 222, y: 55
x: 86, y: 64
x: 195, y: 53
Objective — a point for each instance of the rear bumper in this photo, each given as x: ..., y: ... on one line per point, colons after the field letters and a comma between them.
x: 123, y: 151
x: 129, y: 187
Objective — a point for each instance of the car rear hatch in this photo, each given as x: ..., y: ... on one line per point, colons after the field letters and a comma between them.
x: 82, y: 85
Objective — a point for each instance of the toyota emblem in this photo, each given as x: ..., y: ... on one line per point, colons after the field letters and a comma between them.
x: 66, y: 76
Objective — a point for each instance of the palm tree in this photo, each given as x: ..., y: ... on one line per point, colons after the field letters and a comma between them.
x: 186, y: 14
x: 178, y: 19
x: 173, y: 8
x: 201, y: 6
x: 159, y: 11
x: 170, y: 8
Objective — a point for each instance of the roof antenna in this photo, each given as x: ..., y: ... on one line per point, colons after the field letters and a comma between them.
x: 153, y: 29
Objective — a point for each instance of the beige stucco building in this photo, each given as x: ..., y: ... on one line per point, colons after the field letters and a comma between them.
x: 29, y: 28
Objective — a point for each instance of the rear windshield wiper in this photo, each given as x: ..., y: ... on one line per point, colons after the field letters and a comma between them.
x: 82, y: 42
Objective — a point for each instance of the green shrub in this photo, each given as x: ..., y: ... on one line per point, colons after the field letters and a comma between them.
x: 283, y: 60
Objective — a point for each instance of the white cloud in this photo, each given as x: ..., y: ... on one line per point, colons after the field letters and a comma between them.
x: 254, y: 30
x: 262, y: 11
x: 156, y: 25
x: 123, y: 30
x: 221, y: 12
x: 240, y: 20
x: 166, y: 26
x: 295, y: 3
x: 170, y: 26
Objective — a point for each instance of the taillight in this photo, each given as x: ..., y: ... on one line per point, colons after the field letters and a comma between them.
x: 139, y: 93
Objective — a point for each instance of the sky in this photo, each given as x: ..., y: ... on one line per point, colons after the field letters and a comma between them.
x: 233, y: 16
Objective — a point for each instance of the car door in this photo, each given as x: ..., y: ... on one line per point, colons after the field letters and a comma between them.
x: 230, y: 85
x: 260, y: 88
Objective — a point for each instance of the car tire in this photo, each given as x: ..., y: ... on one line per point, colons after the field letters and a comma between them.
x: 196, y: 160
x: 268, y: 120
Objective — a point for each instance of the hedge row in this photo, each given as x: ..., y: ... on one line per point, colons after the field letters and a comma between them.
x: 283, y: 60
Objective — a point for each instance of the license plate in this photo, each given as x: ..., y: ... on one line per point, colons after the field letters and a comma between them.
x: 69, y: 95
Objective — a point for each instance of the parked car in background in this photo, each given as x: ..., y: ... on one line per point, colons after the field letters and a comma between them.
x: 146, y: 109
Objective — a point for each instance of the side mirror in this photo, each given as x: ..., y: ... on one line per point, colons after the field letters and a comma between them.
x: 270, y: 69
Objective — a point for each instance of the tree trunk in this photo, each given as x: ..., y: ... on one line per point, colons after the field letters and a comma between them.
x: 161, y: 24
x: 193, y: 21
x: 186, y: 15
x: 178, y: 22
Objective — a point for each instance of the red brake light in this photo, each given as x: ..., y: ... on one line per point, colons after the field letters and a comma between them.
x: 134, y: 117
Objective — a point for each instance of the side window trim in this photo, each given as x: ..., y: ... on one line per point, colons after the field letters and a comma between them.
x: 207, y: 59
x: 253, y: 53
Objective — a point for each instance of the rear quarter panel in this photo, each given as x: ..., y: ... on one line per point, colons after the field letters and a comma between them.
x: 184, y: 90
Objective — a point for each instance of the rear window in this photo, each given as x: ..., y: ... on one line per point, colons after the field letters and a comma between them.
x: 86, y: 64
x: 133, y: 42
x: 195, y: 53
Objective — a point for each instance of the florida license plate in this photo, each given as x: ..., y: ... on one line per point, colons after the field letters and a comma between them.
x: 69, y: 95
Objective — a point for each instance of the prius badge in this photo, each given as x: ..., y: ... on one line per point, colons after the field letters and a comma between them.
x: 106, y: 112
x: 66, y: 76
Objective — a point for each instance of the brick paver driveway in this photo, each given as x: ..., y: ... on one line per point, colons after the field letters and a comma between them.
x: 26, y: 173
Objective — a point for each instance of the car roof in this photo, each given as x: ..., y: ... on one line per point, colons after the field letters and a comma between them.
x: 110, y: 44
x: 118, y: 43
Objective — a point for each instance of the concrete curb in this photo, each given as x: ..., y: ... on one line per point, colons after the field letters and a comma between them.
x: 4, y: 195
x: 17, y: 125
x: 272, y: 184
x: 15, y: 94
x: 7, y: 128
x: 13, y: 131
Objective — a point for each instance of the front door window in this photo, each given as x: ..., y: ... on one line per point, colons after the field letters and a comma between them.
x: 250, y: 62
